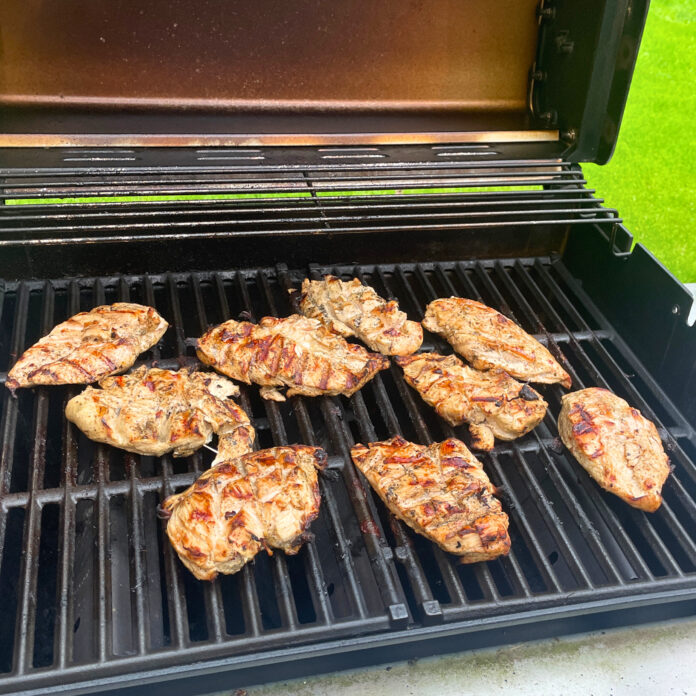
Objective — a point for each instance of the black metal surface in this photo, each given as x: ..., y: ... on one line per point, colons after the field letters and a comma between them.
x: 96, y: 595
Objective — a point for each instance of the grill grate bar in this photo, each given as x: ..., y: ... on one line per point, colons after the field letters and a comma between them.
x: 316, y: 573
x: 211, y: 591
x: 138, y: 580
x: 103, y: 575
x: 202, y: 180
x: 175, y: 596
x: 26, y: 618
x: 301, y: 207
x: 242, y: 223
x: 64, y: 630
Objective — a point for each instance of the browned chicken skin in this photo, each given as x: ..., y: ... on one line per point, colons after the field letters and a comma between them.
x: 616, y: 445
x: 353, y: 309
x: 488, y: 339
x: 260, y: 500
x: 154, y: 411
x: 296, y: 352
x: 492, y: 402
x: 89, y: 346
x: 440, y: 491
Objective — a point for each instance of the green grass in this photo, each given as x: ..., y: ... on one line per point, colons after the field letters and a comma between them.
x: 650, y: 179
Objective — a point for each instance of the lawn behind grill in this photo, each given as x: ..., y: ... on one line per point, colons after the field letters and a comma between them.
x: 650, y: 179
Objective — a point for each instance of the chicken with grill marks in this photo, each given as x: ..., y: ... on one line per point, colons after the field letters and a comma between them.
x: 89, y: 346
x: 353, y: 309
x: 617, y: 446
x: 265, y: 499
x: 154, y: 411
x: 493, y: 403
x: 488, y: 339
x: 440, y: 491
x: 295, y: 352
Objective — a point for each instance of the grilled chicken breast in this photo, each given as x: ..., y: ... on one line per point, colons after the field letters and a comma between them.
x: 616, y: 445
x: 487, y: 339
x: 440, y: 491
x: 353, y: 309
x: 89, y: 346
x: 155, y: 411
x: 260, y: 500
x: 295, y: 352
x: 493, y: 403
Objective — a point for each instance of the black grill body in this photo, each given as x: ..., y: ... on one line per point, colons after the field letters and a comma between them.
x: 92, y: 597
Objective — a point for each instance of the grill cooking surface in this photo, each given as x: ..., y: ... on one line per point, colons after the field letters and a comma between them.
x: 93, y: 589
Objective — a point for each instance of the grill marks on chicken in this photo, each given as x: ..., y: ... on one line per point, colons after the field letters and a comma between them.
x: 493, y: 403
x: 265, y: 499
x: 89, y: 346
x: 295, y: 352
x: 353, y: 309
x: 487, y: 339
x: 617, y: 446
x: 440, y: 491
x: 154, y: 411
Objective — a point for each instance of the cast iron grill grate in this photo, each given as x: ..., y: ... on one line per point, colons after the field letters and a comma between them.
x: 93, y: 589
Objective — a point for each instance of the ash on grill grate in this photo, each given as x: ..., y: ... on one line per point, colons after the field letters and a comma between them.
x: 90, y: 582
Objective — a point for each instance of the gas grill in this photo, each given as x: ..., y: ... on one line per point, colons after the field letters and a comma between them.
x: 92, y: 596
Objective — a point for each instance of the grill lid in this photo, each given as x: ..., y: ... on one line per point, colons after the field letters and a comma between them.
x: 204, y: 73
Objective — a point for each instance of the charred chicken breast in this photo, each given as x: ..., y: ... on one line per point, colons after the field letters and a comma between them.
x: 440, y: 491
x: 154, y: 411
x: 493, y: 403
x: 616, y: 445
x: 353, y: 309
x: 295, y: 352
x: 488, y: 339
x: 260, y: 500
x: 89, y: 346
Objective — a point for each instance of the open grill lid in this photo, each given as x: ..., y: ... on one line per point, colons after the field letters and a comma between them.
x: 206, y: 72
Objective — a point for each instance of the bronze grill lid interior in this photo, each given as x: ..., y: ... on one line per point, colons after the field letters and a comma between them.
x: 205, y: 72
